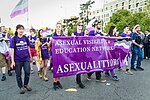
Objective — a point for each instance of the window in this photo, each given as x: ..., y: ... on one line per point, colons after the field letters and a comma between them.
x: 102, y: 10
x: 140, y: 9
x: 122, y: 3
x: 97, y: 11
x: 129, y: 7
x: 129, y: 1
x: 116, y: 5
x: 106, y: 8
x: 122, y: 8
x: 111, y: 7
x: 137, y: 4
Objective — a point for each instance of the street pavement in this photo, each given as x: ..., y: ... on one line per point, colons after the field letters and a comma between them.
x: 130, y: 87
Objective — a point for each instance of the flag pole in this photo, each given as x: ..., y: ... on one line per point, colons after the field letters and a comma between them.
x: 28, y: 15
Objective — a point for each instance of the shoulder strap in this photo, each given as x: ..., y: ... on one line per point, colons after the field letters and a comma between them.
x: 15, y: 40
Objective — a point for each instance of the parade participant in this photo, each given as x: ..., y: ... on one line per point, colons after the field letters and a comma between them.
x: 21, y: 57
x: 32, y: 39
x: 136, y: 49
x: 5, y: 53
x: 42, y: 47
x: 79, y: 32
x: 112, y: 33
x: 65, y: 31
x: 147, y: 45
x: 58, y: 32
x: 97, y: 26
x: 126, y: 34
x: 86, y: 32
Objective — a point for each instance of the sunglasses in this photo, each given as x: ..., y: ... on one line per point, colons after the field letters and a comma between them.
x: 80, y: 25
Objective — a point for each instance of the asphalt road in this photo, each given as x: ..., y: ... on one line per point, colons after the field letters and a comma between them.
x: 130, y: 87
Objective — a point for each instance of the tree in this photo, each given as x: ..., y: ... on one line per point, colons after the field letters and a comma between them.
x: 119, y: 19
x: 125, y: 17
x: 85, y: 7
x: 148, y: 8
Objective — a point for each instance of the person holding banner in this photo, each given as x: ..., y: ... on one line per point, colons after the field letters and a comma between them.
x: 21, y: 57
x: 126, y: 34
x: 137, y: 49
x: 32, y: 39
x: 65, y: 31
x: 112, y: 33
x: 42, y: 47
x: 97, y: 26
x: 79, y: 32
x: 58, y: 32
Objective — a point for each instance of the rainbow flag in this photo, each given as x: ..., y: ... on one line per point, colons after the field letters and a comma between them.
x: 20, y: 8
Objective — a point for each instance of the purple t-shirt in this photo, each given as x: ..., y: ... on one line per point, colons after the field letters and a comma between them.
x: 32, y: 41
x: 44, y: 49
x: 78, y: 34
x: 124, y: 35
x: 21, y: 52
x: 8, y: 36
x: 93, y: 33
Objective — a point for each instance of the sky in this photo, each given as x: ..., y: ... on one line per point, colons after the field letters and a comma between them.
x: 42, y: 13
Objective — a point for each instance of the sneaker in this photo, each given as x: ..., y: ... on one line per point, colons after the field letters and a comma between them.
x: 89, y: 78
x: 55, y: 86
x: 9, y: 73
x: 101, y: 80
x: 121, y: 69
x: 3, y: 78
x: 115, y: 78
x: 129, y: 72
x: 22, y: 91
x: 140, y: 68
x: 40, y: 74
x: 59, y: 85
x: 45, y: 78
x: 28, y: 88
x: 81, y: 85
x: 134, y: 69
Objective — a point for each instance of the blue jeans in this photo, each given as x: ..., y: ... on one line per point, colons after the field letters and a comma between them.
x: 136, y: 51
x: 18, y: 70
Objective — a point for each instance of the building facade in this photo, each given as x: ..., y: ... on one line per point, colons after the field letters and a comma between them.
x: 110, y: 7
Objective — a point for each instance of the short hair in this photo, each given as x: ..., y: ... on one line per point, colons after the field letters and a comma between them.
x: 32, y: 29
x: 125, y: 26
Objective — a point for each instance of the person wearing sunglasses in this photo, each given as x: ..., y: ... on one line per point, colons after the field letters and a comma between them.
x: 79, y: 32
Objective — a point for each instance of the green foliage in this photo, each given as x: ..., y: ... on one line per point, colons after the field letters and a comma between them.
x: 125, y: 17
x: 85, y: 7
x: 71, y: 30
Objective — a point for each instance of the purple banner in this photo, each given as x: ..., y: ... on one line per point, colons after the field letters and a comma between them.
x: 78, y: 55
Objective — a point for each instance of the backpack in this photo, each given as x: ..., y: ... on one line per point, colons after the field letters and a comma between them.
x: 15, y: 40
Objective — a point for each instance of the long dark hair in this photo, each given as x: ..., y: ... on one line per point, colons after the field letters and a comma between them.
x: 39, y: 33
x: 19, y: 26
x: 111, y: 29
x: 40, y: 37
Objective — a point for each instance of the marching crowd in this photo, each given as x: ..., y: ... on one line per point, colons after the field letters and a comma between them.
x: 20, y: 51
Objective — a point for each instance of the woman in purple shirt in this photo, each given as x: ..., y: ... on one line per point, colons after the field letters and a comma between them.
x: 112, y: 33
x: 21, y: 57
x: 44, y: 47
x: 58, y: 32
